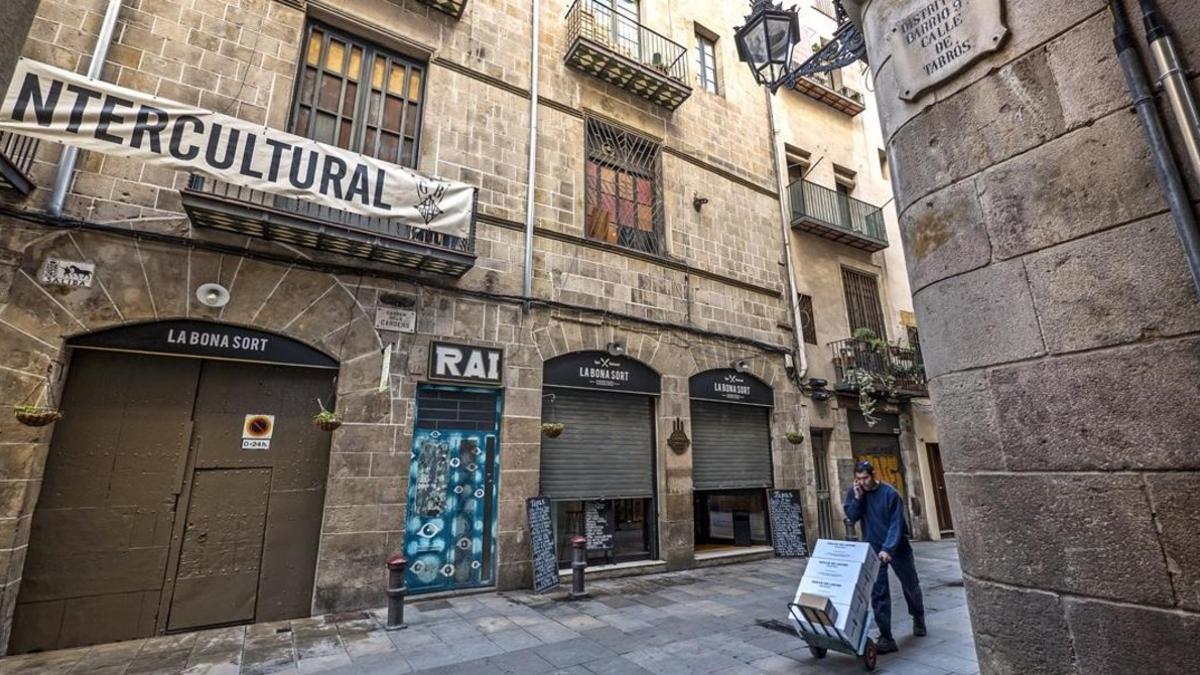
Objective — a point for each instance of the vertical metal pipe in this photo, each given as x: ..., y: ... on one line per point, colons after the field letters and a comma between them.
x: 527, y: 288
x: 786, y: 226
x: 1173, y: 80
x: 1160, y: 147
x: 70, y: 154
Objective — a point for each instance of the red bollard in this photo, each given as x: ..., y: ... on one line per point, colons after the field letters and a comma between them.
x: 578, y: 565
x: 396, y: 591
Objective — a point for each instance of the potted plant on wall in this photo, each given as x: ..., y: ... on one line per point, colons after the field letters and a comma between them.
x: 34, y: 415
x: 327, y: 420
x: 795, y: 437
x: 552, y: 429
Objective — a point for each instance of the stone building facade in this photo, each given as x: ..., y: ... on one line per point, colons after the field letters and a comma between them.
x: 656, y: 253
x: 1068, y: 409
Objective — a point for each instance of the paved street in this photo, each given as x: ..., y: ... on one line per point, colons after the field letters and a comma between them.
x: 715, y: 620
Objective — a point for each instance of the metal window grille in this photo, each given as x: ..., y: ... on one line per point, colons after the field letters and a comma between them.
x: 821, y: 473
x: 358, y: 97
x: 706, y: 63
x: 807, y: 323
x: 862, y: 302
x: 624, y: 188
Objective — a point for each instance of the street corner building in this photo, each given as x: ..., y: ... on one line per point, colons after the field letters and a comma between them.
x: 288, y: 287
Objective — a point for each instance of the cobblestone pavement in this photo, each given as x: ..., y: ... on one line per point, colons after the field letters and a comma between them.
x: 713, y: 620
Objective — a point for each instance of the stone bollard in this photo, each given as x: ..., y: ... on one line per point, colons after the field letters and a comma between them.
x: 396, y: 591
x: 578, y: 565
x: 851, y: 535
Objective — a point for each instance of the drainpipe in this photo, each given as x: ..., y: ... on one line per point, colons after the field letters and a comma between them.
x: 527, y: 289
x: 70, y: 154
x: 786, y: 226
x: 1173, y: 80
x: 1169, y: 178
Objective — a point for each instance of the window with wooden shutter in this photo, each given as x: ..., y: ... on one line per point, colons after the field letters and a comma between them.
x: 806, y: 319
x: 862, y: 303
x: 359, y: 97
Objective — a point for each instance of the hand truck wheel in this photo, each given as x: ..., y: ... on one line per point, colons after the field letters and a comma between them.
x: 869, y: 656
x: 818, y: 652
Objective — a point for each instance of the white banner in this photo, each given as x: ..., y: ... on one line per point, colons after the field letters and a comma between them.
x: 63, y: 107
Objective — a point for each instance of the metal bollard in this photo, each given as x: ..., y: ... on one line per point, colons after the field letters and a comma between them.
x: 396, y: 591
x: 578, y: 565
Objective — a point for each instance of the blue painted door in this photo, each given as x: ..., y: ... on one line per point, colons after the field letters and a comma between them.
x: 452, y: 490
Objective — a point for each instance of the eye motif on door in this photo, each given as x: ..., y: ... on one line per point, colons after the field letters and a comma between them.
x: 450, y: 495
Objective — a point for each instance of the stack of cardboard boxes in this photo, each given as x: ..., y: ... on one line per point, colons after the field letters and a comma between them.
x: 836, y: 589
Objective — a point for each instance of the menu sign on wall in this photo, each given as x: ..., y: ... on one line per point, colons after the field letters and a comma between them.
x: 787, y: 524
x: 730, y: 386
x: 541, y: 544
x: 934, y: 40
x: 596, y: 525
x: 599, y: 370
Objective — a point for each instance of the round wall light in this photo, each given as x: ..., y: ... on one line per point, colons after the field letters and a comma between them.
x: 212, y: 295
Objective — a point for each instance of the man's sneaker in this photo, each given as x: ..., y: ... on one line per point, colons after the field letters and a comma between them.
x: 885, y: 646
x: 919, y: 627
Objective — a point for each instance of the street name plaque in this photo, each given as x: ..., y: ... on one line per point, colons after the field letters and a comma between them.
x: 934, y: 40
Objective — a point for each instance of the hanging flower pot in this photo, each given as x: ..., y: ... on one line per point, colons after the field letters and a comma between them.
x: 795, y: 437
x: 327, y: 420
x: 36, y: 416
x: 552, y: 429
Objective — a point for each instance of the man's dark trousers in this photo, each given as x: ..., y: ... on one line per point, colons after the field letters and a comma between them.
x: 905, y: 567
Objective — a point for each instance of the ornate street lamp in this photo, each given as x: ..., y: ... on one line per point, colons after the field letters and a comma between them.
x: 768, y: 39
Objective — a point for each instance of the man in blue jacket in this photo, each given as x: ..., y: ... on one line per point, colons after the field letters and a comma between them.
x: 881, y: 511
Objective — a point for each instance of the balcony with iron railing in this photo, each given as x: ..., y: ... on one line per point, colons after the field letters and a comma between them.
x: 452, y: 7
x: 16, y: 159
x: 618, y: 49
x: 822, y: 87
x: 902, y: 364
x: 224, y: 206
x: 836, y: 216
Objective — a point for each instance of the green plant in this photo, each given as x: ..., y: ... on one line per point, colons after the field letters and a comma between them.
x: 552, y: 429
x: 327, y: 420
x: 36, y: 415
x: 871, y: 387
x: 795, y: 437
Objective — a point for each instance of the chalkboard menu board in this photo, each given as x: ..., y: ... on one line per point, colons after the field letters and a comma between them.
x: 787, y: 524
x: 597, y: 527
x: 541, y: 542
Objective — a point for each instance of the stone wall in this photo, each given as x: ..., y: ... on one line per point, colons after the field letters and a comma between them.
x: 1060, y: 328
x: 16, y: 17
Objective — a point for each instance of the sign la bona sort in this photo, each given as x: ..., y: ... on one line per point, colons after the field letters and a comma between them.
x: 63, y: 107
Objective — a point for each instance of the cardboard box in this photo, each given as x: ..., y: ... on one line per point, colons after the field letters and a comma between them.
x: 818, y: 609
x: 843, y: 572
x: 858, y: 552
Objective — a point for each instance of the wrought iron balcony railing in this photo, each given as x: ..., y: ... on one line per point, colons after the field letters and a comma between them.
x: 452, y: 7
x: 833, y: 215
x: 223, y: 206
x: 821, y: 86
x: 616, y: 48
x: 902, y: 363
x: 16, y: 159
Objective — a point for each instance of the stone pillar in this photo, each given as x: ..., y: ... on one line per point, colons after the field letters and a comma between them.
x: 15, y: 18
x: 1062, y: 335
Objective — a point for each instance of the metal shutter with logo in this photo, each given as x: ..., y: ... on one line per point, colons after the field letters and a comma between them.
x: 606, y: 450
x: 731, y: 446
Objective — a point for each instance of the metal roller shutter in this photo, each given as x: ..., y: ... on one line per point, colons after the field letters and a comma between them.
x: 731, y: 446
x: 606, y: 449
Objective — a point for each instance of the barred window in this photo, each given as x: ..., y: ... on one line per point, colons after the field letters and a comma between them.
x: 623, y: 188
x: 359, y: 97
x: 862, y: 302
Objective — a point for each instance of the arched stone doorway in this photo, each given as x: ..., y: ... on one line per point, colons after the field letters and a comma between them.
x: 183, y: 488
